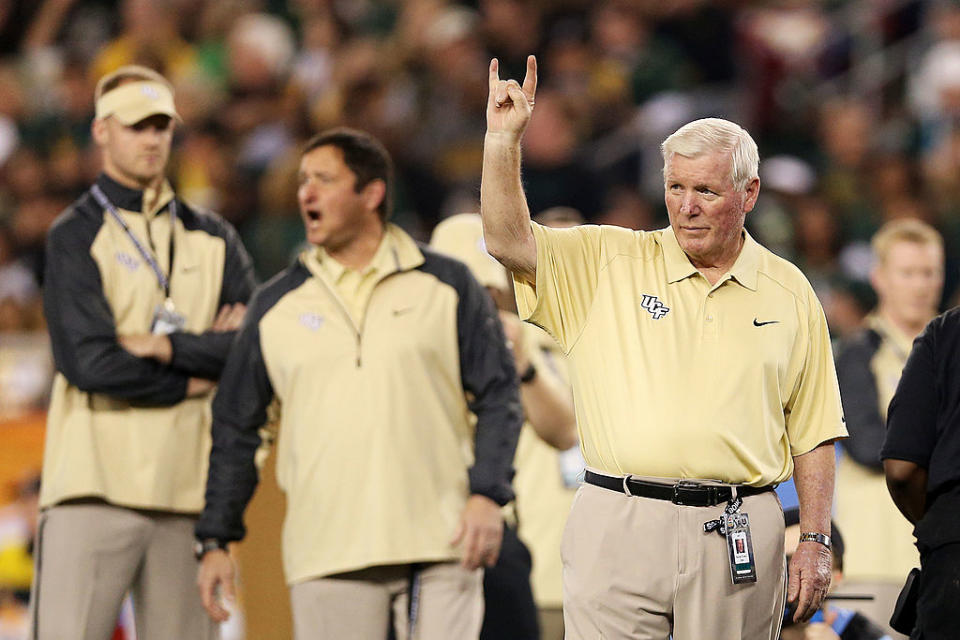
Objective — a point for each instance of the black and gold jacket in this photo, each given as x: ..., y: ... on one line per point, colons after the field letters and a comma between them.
x: 120, y: 427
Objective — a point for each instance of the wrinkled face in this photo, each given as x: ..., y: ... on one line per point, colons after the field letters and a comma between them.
x: 333, y: 212
x: 135, y: 155
x: 909, y: 281
x: 705, y: 211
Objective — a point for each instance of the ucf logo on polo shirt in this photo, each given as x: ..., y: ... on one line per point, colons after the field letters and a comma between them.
x: 653, y: 305
x: 634, y: 316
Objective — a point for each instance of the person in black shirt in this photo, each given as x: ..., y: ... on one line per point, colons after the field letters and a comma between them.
x: 921, y: 460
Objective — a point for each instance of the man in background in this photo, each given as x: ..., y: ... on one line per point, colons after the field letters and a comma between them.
x: 378, y: 352
x: 142, y: 295
x: 908, y: 278
x: 548, y: 462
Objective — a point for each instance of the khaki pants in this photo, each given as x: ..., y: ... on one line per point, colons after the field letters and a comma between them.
x: 358, y: 604
x: 90, y: 555
x: 551, y: 623
x: 639, y: 568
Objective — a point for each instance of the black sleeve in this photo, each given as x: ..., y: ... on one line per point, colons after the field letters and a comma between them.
x: 82, y: 330
x: 489, y: 375
x: 861, y: 404
x: 204, y: 355
x: 239, y: 410
x: 912, y: 416
x: 201, y: 354
x: 238, y: 277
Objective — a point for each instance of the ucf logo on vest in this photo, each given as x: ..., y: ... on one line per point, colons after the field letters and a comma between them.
x: 654, y: 307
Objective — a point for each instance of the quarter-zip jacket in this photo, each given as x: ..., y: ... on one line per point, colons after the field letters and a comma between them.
x: 377, y: 451
x: 119, y: 427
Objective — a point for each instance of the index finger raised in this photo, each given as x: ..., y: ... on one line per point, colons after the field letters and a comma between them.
x: 494, y: 76
x: 530, y: 79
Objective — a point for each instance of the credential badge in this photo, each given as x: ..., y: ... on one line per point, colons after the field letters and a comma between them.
x: 653, y: 305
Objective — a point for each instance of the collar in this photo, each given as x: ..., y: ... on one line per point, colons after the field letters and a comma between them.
x: 890, y: 332
x: 128, y: 199
x: 745, y: 269
x: 397, y: 252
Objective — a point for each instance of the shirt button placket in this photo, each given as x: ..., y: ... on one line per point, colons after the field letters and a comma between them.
x: 709, y: 317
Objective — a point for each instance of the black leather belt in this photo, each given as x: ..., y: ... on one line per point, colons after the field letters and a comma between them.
x: 685, y: 492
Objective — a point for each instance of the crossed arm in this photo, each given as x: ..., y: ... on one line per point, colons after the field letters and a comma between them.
x: 214, y: 342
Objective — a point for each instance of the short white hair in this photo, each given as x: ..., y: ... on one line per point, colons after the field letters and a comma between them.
x: 709, y: 135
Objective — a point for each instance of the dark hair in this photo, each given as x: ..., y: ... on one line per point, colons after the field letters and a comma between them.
x: 364, y: 155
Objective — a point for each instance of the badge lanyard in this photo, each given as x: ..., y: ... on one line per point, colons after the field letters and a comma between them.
x: 148, y: 257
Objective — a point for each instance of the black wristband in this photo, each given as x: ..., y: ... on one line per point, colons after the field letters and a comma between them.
x: 529, y: 374
x: 201, y: 547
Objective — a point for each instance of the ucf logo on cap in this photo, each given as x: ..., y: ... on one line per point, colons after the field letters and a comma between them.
x: 146, y: 94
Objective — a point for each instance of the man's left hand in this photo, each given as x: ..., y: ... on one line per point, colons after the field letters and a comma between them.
x: 153, y: 346
x: 810, y: 573
x: 480, y: 531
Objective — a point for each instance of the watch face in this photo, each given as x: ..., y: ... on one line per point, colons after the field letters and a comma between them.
x: 200, y: 548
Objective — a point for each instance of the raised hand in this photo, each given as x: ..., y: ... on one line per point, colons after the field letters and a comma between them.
x: 510, y: 105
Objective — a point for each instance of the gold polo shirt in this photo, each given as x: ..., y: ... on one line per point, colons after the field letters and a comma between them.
x: 676, y: 378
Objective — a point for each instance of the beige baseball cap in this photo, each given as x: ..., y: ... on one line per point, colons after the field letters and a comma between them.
x: 147, y: 94
x: 461, y: 237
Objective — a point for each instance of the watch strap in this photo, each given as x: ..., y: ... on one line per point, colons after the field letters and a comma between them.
x: 201, y: 547
x: 812, y: 536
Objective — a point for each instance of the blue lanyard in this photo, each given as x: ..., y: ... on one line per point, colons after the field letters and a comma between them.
x: 148, y: 257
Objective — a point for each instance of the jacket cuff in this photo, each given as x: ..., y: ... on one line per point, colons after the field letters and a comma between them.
x: 499, y: 492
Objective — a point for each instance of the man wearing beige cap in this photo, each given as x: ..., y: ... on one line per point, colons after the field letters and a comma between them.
x: 142, y: 297
x: 527, y: 574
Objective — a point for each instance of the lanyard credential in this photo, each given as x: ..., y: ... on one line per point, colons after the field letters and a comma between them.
x: 148, y: 257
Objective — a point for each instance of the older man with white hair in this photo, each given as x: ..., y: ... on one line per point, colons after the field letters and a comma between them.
x: 702, y: 377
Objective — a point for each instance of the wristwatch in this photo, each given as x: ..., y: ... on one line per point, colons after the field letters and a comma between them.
x: 201, y: 547
x: 816, y: 537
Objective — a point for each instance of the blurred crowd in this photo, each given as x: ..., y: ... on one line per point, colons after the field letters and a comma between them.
x: 855, y: 106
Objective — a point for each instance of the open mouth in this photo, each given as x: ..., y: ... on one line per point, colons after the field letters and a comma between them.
x: 313, y: 216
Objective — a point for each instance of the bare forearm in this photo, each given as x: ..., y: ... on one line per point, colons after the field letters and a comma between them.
x: 503, y: 207
x: 814, y: 474
x: 907, y: 484
x: 550, y: 412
